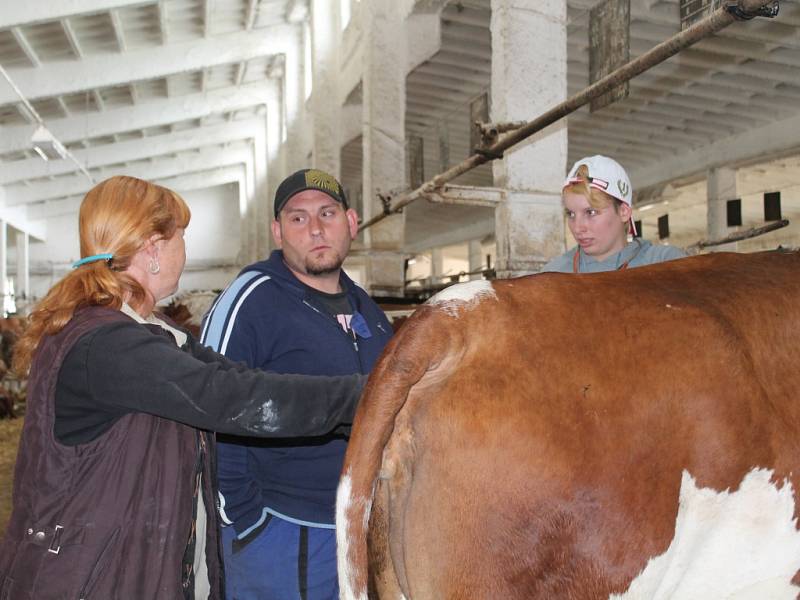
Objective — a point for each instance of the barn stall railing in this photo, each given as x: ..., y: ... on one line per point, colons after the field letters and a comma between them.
x: 737, y: 236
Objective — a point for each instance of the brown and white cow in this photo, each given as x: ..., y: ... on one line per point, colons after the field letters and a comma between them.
x: 626, y: 435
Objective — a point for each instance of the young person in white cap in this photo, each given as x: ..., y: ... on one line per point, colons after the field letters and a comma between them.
x: 597, y: 197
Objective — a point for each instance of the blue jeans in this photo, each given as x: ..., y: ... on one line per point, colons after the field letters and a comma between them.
x: 281, y: 561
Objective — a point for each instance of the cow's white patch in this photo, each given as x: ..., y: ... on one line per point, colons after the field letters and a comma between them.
x: 734, y: 546
x: 344, y: 501
x: 462, y: 295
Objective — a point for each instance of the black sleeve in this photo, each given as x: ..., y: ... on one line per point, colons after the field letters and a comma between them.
x: 207, y: 355
x: 131, y: 369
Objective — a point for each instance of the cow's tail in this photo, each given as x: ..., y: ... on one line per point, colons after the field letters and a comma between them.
x: 411, y: 354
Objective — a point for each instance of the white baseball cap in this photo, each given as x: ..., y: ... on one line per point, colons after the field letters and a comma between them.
x: 607, y: 175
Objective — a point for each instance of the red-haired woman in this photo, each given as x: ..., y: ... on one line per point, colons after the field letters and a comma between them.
x: 114, y: 488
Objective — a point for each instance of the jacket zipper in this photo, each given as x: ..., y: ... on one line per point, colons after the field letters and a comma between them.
x: 353, y: 340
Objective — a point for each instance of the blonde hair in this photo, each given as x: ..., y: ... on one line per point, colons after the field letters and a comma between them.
x: 596, y: 198
x: 117, y: 216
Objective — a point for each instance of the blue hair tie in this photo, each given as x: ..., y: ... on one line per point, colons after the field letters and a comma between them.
x: 92, y: 258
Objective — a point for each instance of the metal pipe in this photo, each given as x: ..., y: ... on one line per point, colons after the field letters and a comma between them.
x: 716, y: 21
x: 738, y: 236
x: 492, y: 130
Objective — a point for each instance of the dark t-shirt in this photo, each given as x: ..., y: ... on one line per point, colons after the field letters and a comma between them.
x: 336, y: 305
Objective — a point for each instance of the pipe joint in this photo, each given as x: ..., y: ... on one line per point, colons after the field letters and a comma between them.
x: 742, y: 12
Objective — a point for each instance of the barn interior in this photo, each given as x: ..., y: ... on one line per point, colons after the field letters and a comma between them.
x: 221, y: 99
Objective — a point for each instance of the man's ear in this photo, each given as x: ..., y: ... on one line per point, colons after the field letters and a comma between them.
x: 352, y: 222
x: 276, y: 233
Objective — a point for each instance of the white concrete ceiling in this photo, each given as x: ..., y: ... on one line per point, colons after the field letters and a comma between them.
x: 169, y: 86
x: 158, y: 88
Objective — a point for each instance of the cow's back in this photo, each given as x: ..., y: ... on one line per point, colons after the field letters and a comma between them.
x: 532, y: 435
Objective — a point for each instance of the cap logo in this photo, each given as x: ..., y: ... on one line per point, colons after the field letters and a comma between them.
x: 624, y: 188
x: 600, y: 184
x: 320, y: 179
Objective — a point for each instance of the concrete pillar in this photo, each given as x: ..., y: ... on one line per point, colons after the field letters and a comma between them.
x: 529, y: 76
x: 252, y: 199
x: 276, y: 151
x: 23, y: 283
x: 244, y: 224
x: 475, y: 258
x: 384, y: 100
x: 721, y: 187
x: 3, y: 265
x: 437, y: 265
x: 294, y: 104
x: 261, y: 231
x: 326, y: 110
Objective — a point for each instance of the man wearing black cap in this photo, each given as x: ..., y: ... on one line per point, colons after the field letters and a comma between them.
x: 296, y: 312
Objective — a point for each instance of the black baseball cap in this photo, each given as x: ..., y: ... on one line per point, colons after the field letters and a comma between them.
x: 308, y: 179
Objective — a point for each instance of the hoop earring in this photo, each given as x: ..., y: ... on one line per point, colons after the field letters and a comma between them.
x: 153, y: 266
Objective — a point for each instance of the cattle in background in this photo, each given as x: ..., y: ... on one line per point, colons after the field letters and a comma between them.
x: 11, y: 330
x: 187, y: 309
x: 633, y: 435
x: 12, y: 390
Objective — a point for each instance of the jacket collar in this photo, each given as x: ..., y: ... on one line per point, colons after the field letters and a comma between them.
x: 275, y: 267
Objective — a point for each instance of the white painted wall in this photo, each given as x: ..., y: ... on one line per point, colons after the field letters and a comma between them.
x: 214, y: 232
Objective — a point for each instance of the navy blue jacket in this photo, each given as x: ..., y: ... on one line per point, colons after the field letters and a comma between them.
x: 269, y: 320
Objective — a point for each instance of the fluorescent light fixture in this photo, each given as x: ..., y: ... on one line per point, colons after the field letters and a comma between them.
x: 46, y: 145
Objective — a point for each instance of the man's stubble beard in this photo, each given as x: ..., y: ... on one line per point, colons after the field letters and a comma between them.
x: 325, y: 267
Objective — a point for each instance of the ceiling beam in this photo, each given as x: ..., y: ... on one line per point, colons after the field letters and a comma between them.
x: 131, y: 150
x: 207, y: 8
x: 774, y: 139
x: 162, y: 22
x: 241, y: 69
x: 98, y: 100
x: 53, y: 208
x: 72, y: 38
x: 26, y: 47
x: 147, y: 114
x: 63, y: 106
x: 63, y: 187
x: 252, y: 11
x: 119, y: 32
x: 181, y: 183
x: 205, y: 179
x: 25, y: 13
x: 109, y: 70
